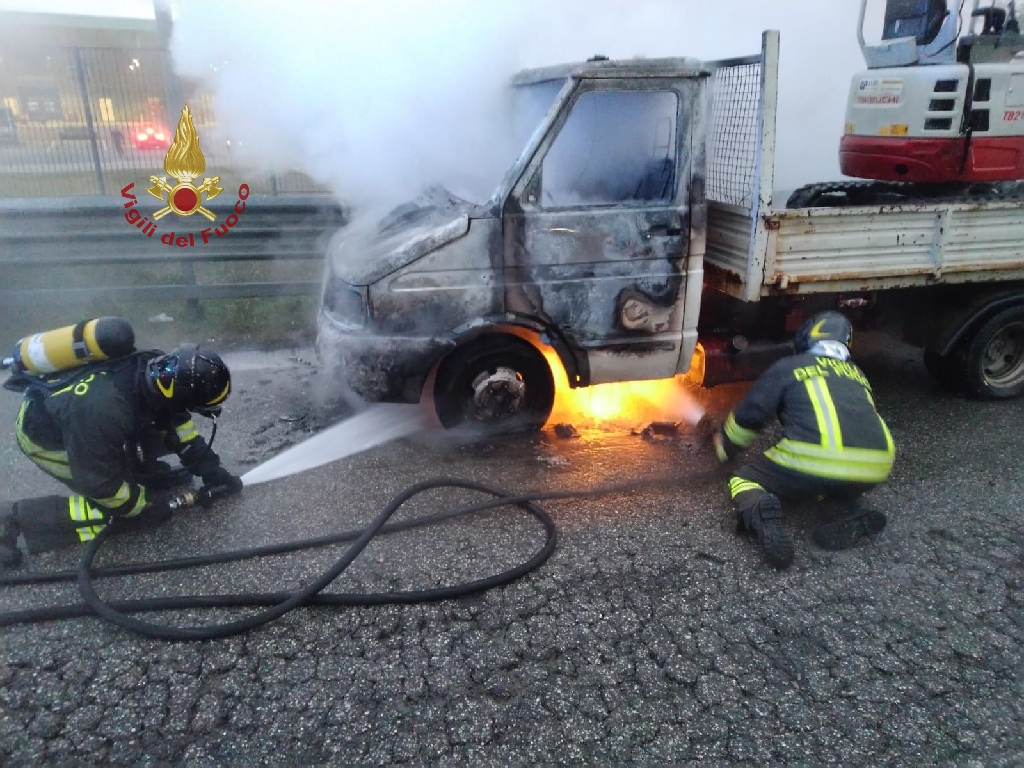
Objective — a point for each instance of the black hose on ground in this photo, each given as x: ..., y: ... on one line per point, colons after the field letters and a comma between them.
x: 279, y: 603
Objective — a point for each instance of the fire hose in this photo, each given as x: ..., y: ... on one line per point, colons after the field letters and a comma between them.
x: 276, y: 604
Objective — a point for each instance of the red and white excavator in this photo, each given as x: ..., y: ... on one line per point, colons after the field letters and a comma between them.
x: 939, y: 113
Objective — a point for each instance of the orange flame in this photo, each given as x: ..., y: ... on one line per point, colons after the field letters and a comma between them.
x: 624, y: 404
x: 184, y: 160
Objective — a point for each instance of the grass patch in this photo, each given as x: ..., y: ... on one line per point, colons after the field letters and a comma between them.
x: 225, y: 324
x: 260, y: 323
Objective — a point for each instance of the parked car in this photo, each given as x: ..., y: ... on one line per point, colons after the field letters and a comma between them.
x: 151, y: 137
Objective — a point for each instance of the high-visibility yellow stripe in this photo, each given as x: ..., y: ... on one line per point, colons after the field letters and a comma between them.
x: 55, y: 469
x: 812, y: 451
x: 75, y: 508
x: 738, y: 485
x: 864, y: 465
x: 738, y: 435
x: 52, y: 462
x: 120, y: 497
x: 824, y: 412
x: 222, y: 396
x: 739, y: 482
x: 82, y: 511
x: 891, y: 446
x: 836, y: 430
x: 77, y: 512
x: 140, y: 503
x: 186, y: 431
x: 819, y: 412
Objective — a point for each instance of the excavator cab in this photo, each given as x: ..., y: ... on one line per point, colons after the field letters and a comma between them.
x: 919, y: 19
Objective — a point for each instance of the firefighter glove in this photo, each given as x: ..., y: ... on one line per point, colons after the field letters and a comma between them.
x: 720, y: 449
x: 221, y: 478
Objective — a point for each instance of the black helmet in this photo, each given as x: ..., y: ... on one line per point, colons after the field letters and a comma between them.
x: 187, y: 378
x: 824, y: 326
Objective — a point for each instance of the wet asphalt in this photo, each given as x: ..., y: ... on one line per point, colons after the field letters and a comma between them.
x: 654, y: 635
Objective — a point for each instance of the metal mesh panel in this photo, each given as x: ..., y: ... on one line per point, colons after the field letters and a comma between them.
x: 88, y: 121
x: 733, y: 133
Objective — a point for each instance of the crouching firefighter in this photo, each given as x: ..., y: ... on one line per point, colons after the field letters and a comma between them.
x: 100, y: 430
x: 835, y: 446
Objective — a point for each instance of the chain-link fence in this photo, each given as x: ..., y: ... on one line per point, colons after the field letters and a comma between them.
x: 88, y: 121
x: 735, y: 94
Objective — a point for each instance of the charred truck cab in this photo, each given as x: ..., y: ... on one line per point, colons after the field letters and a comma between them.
x: 593, y: 244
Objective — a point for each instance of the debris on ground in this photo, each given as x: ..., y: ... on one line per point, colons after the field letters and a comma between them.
x: 554, y: 461
x: 566, y: 431
x: 659, y: 432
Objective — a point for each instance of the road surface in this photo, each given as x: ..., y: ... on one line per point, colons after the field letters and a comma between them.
x: 653, y: 636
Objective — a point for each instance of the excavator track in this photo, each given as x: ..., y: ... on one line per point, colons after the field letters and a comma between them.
x: 870, y: 193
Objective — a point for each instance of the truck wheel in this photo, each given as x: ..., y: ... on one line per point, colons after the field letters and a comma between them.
x: 993, y: 358
x: 945, y: 370
x: 498, y: 382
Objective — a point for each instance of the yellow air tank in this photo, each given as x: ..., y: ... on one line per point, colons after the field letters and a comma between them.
x: 73, y: 345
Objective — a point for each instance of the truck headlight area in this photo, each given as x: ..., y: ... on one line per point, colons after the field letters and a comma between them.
x: 345, y: 303
x: 424, y: 243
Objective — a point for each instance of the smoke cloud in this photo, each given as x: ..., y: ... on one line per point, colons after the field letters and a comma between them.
x: 378, y: 100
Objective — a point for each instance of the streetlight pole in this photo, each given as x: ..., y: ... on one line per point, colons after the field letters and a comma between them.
x: 84, y: 92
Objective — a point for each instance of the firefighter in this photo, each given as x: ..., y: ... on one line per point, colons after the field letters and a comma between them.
x: 101, y: 433
x: 834, y: 446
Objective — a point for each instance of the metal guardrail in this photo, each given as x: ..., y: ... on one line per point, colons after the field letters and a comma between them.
x: 49, y: 241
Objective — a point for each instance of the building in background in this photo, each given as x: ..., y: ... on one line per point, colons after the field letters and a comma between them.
x: 88, y: 101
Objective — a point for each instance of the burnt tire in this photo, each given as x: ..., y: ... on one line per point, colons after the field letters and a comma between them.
x: 499, y: 383
x: 992, y: 359
x: 946, y: 370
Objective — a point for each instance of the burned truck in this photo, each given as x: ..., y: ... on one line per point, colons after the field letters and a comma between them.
x: 592, y: 244
x: 637, y: 222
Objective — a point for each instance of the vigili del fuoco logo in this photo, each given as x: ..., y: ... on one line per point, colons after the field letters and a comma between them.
x: 184, y: 162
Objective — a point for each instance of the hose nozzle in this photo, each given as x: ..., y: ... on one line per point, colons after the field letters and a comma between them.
x: 185, y: 500
x: 203, y: 497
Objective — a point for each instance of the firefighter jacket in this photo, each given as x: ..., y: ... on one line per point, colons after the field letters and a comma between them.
x: 85, y: 434
x: 829, y: 423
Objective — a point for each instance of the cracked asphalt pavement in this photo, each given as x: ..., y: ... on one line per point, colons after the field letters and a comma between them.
x: 653, y: 636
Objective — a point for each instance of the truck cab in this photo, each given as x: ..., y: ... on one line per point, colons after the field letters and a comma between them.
x: 591, y: 246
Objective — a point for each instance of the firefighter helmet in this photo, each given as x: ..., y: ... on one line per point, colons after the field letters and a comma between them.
x: 824, y: 326
x: 188, y: 378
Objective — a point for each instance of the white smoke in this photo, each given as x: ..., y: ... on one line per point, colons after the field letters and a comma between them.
x: 377, y: 100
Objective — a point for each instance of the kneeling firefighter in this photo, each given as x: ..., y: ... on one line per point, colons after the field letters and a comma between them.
x: 834, y: 445
x: 100, y: 429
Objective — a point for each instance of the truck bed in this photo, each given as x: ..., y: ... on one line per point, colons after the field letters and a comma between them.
x: 863, y: 248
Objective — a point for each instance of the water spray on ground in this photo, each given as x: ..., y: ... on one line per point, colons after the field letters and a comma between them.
x: 375, y: 426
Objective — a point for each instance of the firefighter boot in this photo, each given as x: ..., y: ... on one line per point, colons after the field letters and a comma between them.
x: 10, y: 555
x: 844, y: 532
x: 764, y: 518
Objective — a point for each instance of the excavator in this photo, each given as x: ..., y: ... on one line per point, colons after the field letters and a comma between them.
x: 939, y: 113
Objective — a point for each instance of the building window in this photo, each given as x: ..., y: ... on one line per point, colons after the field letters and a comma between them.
x: 41, y: 104
x: 106, y: 110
